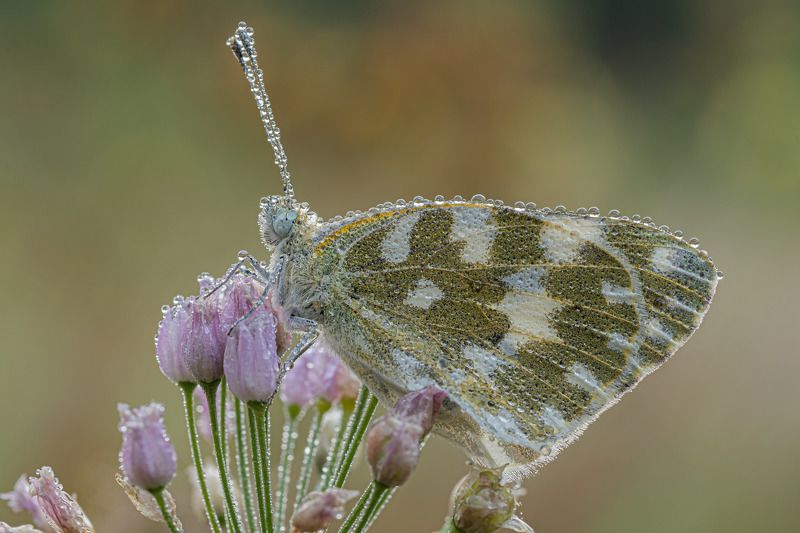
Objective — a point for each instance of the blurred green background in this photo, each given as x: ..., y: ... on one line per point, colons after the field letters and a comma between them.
x: 131, y: 159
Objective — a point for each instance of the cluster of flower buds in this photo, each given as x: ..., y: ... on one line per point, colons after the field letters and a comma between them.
x: 393, y: 441
x: 484, y: 503
x: 232, y: 331
x: 51, y: 508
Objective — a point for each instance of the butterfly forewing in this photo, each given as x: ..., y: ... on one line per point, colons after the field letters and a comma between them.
x: 533, y: 323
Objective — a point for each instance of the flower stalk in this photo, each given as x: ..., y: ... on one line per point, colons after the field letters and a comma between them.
x: 259, y: 424
x: 244, y: 471
x: 312, y: 442
x: 158, y: 494
x: 288, y: 440
x: 187, y: 388
x: 234, y: 521
x: 360, y: 422
x: 377, y: 497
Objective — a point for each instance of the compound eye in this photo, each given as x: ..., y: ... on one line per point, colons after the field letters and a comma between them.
x: 282, y: 222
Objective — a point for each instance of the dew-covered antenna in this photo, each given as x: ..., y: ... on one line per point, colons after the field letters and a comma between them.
x: 243, y: 46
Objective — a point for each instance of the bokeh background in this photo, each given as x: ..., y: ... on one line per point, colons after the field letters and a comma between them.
x: 131, y: 159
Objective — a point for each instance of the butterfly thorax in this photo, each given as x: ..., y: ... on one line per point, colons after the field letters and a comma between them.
x: 304, y: 283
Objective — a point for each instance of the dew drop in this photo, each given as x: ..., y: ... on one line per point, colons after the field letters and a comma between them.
x: 720, y: 274
x: 242, y: 254
x: 438, y: 198
x: 479, y: 198
x: 694, y: 242
x: 594, y: 211
x: 613, y: 213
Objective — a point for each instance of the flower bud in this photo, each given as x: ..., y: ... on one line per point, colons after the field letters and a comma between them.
x: 147, y: 457
x: 251, y: 360
x: 318, y: 374
x: 171, y: 342
x: 421, y: 406
x: 205, y: 344
x: 241, y: 296
x: 60, y: 510
x: 319, y: 509
x: 19, y: 499
x: 484, y: 505
x: 392, y: 448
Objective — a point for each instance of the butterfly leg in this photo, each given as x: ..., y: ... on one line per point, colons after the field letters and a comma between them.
x: 258, y: 271
x: 272, y: 276
x: 305, y: 342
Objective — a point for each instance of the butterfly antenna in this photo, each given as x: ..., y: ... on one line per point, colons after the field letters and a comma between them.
x: 244, y: 49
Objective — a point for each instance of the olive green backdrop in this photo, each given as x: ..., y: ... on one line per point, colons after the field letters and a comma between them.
x: 131, y: 159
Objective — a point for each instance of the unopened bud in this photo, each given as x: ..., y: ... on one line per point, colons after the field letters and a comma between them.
x: 392, y: 448
x: 147, y: 456
x: 319, y: 509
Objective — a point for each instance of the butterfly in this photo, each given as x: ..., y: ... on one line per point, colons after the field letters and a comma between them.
x: 534, y: 321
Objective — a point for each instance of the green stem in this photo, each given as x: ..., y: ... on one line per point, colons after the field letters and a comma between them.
x: 376, y: 501
x: 158, y: 494
x: 188, y: 406
x: 334, y: 455
x: 234, y: 522
x: 352, y: 446
x: 352, y: 424
x: 256, y: 451
x: 381, y: 505
x: 244, y: 474
x: 357, y: 508
x: 312, y: 441
x: 261, y: 458
x: 223, y: 418
x: 266, y: 454
x: 288, y: 439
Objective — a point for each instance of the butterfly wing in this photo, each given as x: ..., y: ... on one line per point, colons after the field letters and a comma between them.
x: 533, y: 322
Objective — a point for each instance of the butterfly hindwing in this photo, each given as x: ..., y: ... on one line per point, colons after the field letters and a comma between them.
x: 532, y: 322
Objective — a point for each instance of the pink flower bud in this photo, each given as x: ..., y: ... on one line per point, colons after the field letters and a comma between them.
x: 240, y: 296
x: 171, y: 341
x: 60, y: 510
x: 251, y: 359
x: 147, y: 456
x: 319, y: 509
x: 20, y: 500
x: 205, y: 345
x: 421, y: 406
x: 318, y: 374
x: 392, y: 448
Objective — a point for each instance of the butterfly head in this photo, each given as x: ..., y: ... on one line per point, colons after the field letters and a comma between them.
x: 276, y: 219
